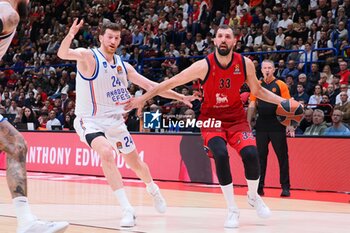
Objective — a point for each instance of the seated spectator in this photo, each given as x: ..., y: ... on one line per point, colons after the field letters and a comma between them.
x: 301, y: 94
x: 29, y: 116
x: 327, y: 70
x: 52, y: 120
x: 344, y: 106
x: 344, y: 72
x: 337, y: 128
x: 316, y: 98
x: 326, y: 107
x: 305, y: 122
x: 68, y: 122
x: 43, y: 118
x: 345, y: 88
x: 291, y: 69
x: 318, y: 124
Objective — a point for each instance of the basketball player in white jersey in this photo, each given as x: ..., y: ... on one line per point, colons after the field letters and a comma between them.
x: 12, y: 142
x: 101, y: 92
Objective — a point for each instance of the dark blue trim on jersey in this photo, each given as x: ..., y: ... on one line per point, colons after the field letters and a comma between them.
x: 3, y: 119
x: 244, y: 68
x: 97, y: 69
x: 207, y: 75
x: 126, y: 71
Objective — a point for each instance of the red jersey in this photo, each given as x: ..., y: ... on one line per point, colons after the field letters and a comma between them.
x: 221, y: 90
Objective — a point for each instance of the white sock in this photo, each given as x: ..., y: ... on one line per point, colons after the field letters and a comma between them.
x: 227, y: 190
x: 253, y: 188
x: 23, y: 213
x: 152, y: 187
x: 122, y: 198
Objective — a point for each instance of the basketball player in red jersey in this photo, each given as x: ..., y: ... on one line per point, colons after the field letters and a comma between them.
x: 222, y: 73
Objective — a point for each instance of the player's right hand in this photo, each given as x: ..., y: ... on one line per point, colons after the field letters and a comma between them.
x: 74, y: 29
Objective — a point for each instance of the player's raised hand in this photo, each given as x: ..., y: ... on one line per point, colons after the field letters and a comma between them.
x: 74, y: 29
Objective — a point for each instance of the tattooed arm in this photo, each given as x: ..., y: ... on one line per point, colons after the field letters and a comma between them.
x: 12, y: 142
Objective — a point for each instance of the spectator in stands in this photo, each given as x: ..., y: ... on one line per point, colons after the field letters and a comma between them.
x: 344, y: 72
x: 337, y: 128
x: 28, y: 116
x: 68, y: 122
x: 242, y: 5
x: 30, y: 101
x: 279, y: 70
x: 52, y: 120
x: 301, y: 95
x: 246, y: 19
x: 343, y: 88
x: 328, y: 72
x: 316, y: 98
x: 291, y: 69
x: 291, y: 86
x: 346, y: 6
x: 285, y: 21
x: 318, y: 124
x: 305, y: 122
x: 125, y: 56
x: 308, y: 57
x: 320, y: 19
x: 344, y: 106
x: 326, y: 107
x: 295, y: 56
x: 12, y: 108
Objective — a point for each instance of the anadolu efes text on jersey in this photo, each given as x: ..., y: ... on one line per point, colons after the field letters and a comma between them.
x: 106, y: 91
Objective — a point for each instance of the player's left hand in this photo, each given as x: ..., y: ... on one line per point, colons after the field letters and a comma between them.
x: 290, y: 130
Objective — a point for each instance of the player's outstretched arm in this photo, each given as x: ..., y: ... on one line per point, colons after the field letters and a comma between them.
x: 197, y: 70
x: 148, y: 85
x: 255, y: 87
x: 64, y: 52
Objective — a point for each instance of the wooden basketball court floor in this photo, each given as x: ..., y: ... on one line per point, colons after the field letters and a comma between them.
x: 90, y: 207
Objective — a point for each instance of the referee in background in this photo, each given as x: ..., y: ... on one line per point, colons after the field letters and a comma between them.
x: 269, y: 129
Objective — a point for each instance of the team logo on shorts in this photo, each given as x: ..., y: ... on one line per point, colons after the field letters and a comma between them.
x: 152, y: 120
x: 119, y: 145
x: 274, y: 90
x: 119, y: 70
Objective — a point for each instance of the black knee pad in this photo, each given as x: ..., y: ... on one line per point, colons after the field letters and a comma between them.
x: 217, y: 146
x: 250, y: 158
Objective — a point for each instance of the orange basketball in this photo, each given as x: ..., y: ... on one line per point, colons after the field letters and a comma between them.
x: 290, y: 112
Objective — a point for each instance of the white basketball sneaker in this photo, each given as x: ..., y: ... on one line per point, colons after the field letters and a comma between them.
x: 44, y: 227
x: 261, y: 208
x: 158, y: 200
x: 232, y: 218
x: 128, y: 218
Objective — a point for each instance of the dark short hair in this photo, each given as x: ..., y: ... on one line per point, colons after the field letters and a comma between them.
x: 225, y: 26
x: 111, y: 26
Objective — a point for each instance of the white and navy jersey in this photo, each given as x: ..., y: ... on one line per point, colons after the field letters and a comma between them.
x: 5, y: 40
x: 105, y: 92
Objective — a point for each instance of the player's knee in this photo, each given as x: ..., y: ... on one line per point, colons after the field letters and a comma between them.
x: 106, y: 154
x: 217, y: 145
x: 250, y: 159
